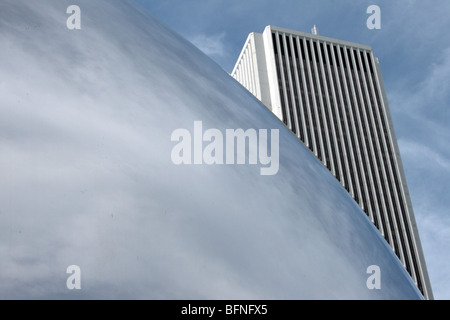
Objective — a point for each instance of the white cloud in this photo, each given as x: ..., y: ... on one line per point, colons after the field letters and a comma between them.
x: 432, y: 91
x: 422, y: 155
x: 212, y: 45
x: 423, y: 116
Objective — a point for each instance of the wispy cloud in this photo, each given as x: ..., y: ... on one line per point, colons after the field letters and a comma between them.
x: 212, y: 45
x: 422, y: 154
x: 431, y: 91
x: 420, y: 108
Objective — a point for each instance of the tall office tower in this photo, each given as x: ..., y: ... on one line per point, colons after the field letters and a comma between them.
x: 330, y: 94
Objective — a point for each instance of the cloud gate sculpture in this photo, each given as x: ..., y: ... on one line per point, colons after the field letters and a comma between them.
x: 133, y: 167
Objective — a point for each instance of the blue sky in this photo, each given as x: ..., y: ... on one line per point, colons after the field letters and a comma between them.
x: 413, y: 47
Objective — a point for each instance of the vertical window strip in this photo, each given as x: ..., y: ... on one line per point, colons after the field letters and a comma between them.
x: 351, y: 129
x: 244, y: 71
x: 385, y: 161
x: 290, y: 66
x: 314, y: 112
x: 309, y: 135
x: 350, y: 164
x: 279, y: 79
x: 366, y: 139
x: 380, y: 170
x: 303, y: 133
x: 321, y: 115
x: 329, y: 119
x: 334, y: 106
x: 283, y: 83
x: 236, y: 72
x: 289, y: 86
x: 393, y: 181
x: 249, y: 70
x: 253, y: 68
x: 356, y: 130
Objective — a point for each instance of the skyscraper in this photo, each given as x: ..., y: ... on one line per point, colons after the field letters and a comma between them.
x: 330, y: 94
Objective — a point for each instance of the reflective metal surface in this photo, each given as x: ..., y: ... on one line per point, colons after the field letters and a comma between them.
x: 87, y: 178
